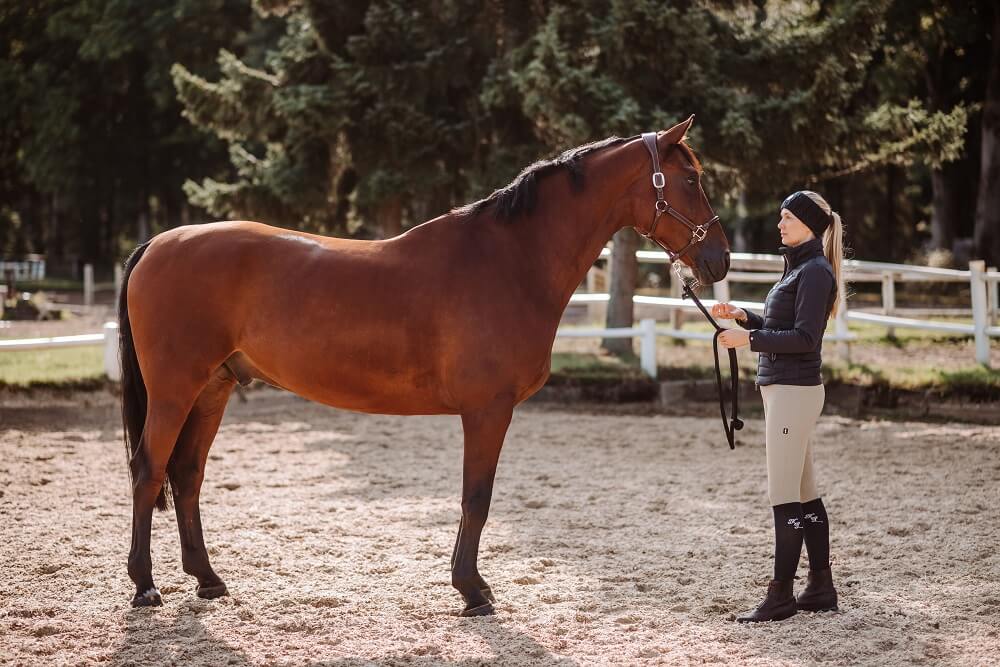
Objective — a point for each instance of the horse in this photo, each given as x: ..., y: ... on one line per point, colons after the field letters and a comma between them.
x: 457, y: 315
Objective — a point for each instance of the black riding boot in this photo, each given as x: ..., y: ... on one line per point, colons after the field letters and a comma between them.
x: 778, y: 605
x: 819, y: 595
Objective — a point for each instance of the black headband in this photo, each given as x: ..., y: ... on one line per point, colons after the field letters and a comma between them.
x: 808, y: 211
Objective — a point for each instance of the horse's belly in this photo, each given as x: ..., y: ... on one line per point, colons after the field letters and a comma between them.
x: 341, y: 381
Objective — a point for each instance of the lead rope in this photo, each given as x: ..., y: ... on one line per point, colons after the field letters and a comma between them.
x: 729, y: 425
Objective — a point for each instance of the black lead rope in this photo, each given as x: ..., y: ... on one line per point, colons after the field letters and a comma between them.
x: 734, y: 424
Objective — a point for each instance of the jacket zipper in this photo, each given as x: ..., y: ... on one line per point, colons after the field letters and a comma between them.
x: 756, y: 384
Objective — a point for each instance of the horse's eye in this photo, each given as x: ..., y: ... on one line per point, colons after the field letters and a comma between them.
x: 692, y: 180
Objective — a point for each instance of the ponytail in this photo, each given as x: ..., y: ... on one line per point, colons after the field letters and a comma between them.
x: 833, y: 246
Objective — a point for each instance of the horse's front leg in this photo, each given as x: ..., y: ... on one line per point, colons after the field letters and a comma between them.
x: 484, y: 433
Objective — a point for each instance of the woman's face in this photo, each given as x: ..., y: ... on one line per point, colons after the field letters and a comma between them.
x: 793, y: 231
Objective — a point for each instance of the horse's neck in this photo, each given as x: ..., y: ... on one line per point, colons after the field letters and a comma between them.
x: 561, y: 244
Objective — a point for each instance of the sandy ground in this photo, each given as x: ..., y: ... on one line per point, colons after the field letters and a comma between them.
x: 613, y: 539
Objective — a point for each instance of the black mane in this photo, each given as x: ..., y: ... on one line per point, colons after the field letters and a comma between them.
x: 521, y: 195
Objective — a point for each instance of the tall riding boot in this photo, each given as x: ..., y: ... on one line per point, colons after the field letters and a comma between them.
x: 819, y: 595
x: 779, y: 603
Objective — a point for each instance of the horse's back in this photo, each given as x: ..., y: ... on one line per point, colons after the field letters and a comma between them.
x: 377, y: 326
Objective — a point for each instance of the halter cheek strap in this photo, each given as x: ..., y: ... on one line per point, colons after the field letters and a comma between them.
x: 659, y: 180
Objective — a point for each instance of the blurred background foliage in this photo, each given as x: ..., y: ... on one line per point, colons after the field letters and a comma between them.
x: 122, y: 118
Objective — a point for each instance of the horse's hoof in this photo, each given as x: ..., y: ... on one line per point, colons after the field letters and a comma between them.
x: 481, y: 610
x: 212, y: 592
x: 150, y: 598
x: 488, y: 594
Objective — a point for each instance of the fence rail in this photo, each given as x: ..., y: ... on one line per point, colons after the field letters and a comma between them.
x: 108, y: 339
x: 745, y: 267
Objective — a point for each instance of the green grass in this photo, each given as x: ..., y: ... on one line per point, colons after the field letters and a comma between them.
x: 973, y: 381
x: 594, y: 367
x: 81, y: 366
x: 60, y: 365
x: 51, y: 285
x: 977, y: 383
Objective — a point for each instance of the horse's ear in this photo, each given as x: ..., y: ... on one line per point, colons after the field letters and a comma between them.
x: 677, y: 132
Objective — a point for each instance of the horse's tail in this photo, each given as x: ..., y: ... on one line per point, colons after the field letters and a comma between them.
x: 133, y: 388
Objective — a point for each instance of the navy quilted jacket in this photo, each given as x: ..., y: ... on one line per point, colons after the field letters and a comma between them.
x: 789, y: 337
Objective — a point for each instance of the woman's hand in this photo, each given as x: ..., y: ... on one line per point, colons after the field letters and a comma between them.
x: 727, y: 311
x: 734, y: 338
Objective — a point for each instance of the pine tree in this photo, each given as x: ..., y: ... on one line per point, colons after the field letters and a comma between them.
x: 364, y: 113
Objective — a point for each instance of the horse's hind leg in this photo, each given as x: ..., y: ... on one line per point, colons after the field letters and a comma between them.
x: 484, y: 434
x: 186, y: 471
x: 164, y: 419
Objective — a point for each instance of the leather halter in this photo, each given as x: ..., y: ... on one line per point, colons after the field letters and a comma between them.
x: 698, y: 233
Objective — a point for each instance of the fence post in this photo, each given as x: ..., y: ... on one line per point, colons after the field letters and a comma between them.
x: 979, y: 310
x: 840, y: 324
x: 647, y: 355
x: 112, y: 366
x: 88, y: 284
x: 888, y: 299
x: 993, y: 298
x: 118, y: 284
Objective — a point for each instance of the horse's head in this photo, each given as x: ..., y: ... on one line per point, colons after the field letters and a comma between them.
x: 671, y: 208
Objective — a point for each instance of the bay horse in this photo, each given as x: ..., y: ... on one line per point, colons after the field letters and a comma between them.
x: 455, y: 316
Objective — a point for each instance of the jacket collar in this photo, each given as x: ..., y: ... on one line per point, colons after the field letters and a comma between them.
x: 795, y: 255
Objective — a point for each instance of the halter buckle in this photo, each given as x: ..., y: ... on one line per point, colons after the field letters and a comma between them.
x: 699, y: 233
x: 659, y: 181
x: 661, y: 206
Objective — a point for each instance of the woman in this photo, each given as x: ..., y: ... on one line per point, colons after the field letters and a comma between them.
x: 789, y: 337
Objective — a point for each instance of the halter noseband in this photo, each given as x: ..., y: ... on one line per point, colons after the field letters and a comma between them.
x: 698, y: 232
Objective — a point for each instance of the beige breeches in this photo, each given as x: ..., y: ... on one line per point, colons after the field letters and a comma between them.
x: 790, y: 414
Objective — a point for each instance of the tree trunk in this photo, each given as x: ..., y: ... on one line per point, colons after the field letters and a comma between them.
x: 389, y: 218
x: 739, y: 242
x: 987, y: 231
x: 624, y: 275
x: 943, y: 211
x: 142, y: 226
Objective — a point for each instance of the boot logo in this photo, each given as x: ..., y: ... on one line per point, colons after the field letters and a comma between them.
x: 795, y: 523
x: 813, y: 518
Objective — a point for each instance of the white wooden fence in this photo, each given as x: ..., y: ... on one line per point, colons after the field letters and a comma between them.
x: 108, y: 339
x: 756, y: 267
x: 744, y: 267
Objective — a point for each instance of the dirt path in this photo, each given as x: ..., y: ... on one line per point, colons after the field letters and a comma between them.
x: 612, y: 540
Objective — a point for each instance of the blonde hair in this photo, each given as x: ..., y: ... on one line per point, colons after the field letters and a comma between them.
x: 833, y: 245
